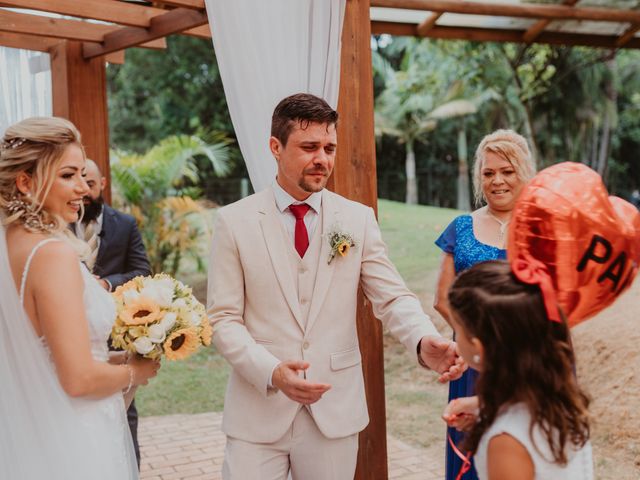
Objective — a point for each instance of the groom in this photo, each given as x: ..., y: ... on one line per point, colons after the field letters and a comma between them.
x: 282, y: 300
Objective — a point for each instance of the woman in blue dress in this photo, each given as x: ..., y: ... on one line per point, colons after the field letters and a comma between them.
x: 503, y: 165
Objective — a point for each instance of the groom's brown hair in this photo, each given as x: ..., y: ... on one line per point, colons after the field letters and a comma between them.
x: 302, y: 108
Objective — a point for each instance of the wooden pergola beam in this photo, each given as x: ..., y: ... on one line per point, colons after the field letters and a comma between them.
x: 45, y: 44
x: 106, y: 10
x: 627, y: 36
x: 113, y: 11
x: 62, y: 28
x: 428, y: 24
x: 196, y: 4
x: 501, y: 35
x: 27, y: 42
x: 202, y: 31
x: 354, y: 176
x: 171, y: 22
x: 537, y: 28
x: 550, y: 12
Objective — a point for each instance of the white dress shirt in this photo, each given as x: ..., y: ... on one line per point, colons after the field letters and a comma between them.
x: 283, y: 200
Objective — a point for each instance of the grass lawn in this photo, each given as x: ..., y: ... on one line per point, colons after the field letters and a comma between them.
x: 414, y: 400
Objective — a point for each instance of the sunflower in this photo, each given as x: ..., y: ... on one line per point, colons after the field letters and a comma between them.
x: 181, y: 343
x: 140, y: 311
x: 343, y: 247
x: 207, y: 332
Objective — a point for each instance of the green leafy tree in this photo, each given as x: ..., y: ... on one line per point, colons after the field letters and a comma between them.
x: 429, y: 86
x: 156, y: 94
x: 160, y: 188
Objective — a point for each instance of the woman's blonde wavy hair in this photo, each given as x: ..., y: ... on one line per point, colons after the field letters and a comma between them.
x: 35, y: 146
x: 509, y: 145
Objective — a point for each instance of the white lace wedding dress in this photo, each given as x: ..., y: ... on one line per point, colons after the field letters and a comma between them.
x: 58, y: 436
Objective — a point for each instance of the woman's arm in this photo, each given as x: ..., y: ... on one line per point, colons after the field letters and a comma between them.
x: 445, y: 279
x: 57, y: 289
x: 508, y: 459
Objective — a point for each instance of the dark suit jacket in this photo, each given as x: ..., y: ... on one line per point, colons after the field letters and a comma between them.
x: 121, y: 255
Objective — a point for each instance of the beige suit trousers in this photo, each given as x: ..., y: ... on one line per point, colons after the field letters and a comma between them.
x: 302, y: 451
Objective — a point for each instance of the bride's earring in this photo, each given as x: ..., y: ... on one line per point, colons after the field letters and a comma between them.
x: 476, y: 359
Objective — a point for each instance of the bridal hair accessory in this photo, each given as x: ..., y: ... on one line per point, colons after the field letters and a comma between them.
x: 587, y: 242
x: 13, y: 143
x: 29, y: 214
x: 340, y: 243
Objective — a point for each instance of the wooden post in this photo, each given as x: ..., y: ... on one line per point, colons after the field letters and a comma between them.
x: 80, y: 94
x: 354, y: 176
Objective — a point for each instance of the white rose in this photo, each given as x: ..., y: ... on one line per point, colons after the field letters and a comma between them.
x: 160, y: 292
x: 157, y: 333
x: 129, y: 296
x: 168, y: 321
x: 143, y: 345
x: 179, y: 303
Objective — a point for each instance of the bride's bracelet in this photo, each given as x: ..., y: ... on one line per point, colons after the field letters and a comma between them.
x: 128, y: 389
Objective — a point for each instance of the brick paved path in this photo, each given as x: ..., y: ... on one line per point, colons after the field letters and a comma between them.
x: 191, y: 447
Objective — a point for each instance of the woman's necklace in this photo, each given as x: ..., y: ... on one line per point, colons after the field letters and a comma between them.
x: 503, y: 227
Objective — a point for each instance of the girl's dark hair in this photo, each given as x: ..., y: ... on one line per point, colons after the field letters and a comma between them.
x: 527, y: 357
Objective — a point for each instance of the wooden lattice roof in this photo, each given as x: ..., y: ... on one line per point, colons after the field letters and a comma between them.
x: 595, y: 23
x: 108, y: 27
x: 104, y: 26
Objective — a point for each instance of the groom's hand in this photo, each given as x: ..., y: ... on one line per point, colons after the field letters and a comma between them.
x: 285, y: 378
x: 441, y: 355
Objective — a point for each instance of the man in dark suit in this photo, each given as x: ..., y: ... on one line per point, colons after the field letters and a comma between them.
x: 118, y: 254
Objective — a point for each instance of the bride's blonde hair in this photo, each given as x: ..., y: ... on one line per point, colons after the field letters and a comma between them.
x: 35, y: 146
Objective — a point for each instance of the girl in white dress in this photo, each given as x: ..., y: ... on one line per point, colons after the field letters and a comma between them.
x: 62, y: 407
x: 530, y: 419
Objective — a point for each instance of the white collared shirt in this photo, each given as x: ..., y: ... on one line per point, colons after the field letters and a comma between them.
x: 283, y: 200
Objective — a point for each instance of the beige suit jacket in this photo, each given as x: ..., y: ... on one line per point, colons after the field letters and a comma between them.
x: 253, y: 307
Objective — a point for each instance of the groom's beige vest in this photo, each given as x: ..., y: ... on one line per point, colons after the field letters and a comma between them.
x: 267, y: 305
x: 305, y: 269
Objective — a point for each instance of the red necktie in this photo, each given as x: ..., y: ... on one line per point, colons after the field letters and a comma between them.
x: 301, y: 235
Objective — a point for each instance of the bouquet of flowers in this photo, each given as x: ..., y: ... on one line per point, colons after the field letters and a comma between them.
x: 159, y: 315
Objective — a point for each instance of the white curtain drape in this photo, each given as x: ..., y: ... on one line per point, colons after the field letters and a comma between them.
x: 25, y: 86
x: 267, y: 50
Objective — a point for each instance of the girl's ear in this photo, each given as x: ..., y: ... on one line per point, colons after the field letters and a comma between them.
x: 23, y: 183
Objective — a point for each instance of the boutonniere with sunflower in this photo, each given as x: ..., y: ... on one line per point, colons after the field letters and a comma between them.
x: 340, y: 243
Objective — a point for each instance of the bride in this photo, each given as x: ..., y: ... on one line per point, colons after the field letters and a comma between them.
x: 62, y: 410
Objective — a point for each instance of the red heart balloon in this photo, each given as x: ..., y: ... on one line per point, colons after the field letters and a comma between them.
x: 589, y: 241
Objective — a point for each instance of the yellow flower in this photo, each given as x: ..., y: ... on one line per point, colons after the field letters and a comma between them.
x: 343, y: 248
x: 181, y: 343
x: 207, y: 332
x: 140, y: 311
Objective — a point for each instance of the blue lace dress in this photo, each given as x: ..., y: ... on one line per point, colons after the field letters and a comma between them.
x: 459, y: 240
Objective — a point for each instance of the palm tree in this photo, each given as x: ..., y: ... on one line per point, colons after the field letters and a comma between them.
x: 160, y: 189
x: 415, y: 98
